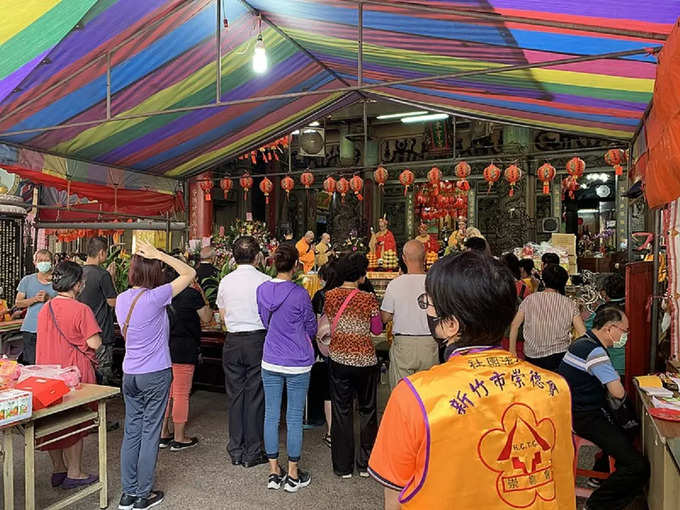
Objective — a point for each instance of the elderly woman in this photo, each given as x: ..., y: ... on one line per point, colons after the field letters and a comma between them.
x: 353, y: 365
x: 68, y: 335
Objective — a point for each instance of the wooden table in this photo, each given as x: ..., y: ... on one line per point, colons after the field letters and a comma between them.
x: 55, y: 419
x: 659, y: 440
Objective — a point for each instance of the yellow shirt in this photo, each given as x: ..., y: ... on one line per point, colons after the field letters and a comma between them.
x: 322, y: 250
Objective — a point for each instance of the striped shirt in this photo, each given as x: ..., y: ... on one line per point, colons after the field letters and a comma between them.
x: 548, y: 318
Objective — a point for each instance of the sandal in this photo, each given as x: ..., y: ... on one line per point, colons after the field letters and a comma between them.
x: 327, y: 440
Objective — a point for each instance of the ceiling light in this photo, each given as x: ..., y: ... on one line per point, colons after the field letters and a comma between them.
x: 425, y: 118
x: 296, y: 132
x: 259, y: 56
x: 588, y: 211
x: 315, y: 123
x: 399, y: 115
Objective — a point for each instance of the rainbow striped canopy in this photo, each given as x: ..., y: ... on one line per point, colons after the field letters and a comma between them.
x: 162, y: 55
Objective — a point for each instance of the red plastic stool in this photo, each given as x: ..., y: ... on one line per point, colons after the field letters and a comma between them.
x: 585, y: 492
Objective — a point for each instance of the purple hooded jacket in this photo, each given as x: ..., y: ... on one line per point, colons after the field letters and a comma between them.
x: 286, y: 311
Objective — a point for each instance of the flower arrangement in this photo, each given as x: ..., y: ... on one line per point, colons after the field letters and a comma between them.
x: 353, y: 243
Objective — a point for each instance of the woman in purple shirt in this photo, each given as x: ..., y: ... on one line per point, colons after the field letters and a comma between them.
x: 147, y: 372
x: 286, y: 311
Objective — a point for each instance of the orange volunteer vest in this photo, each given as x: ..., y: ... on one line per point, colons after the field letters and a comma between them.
x: 498, y: 436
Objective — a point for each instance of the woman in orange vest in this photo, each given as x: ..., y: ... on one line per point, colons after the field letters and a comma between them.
x: 484, y: 430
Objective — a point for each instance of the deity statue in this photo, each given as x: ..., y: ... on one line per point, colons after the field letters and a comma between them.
x: 383, y: 240
x: 429, y: 240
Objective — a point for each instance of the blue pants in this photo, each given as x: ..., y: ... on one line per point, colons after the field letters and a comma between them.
x: 146, y: 397
x: 296, y: 393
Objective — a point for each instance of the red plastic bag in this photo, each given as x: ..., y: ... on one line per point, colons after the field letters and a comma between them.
x: 46, y: 392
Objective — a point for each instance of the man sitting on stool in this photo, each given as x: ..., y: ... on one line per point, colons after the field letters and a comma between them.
x: 592, y: 379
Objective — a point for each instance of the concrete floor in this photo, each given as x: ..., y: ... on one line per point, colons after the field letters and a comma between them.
x: 203, y: 477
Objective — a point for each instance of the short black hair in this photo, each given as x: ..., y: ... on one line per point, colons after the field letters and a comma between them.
x: 555, y: 277
x: 285, y: 258
x: 527, y: 265
x: 245, y: 249
x: 550, y: 258
x: 66, y: 275
x: 615, y: 286
x: 352, y: 267
x: 606, y: 314
x: 512, y: 263
x: 476, y: 243
x: 478, y: 291
x: 95, y: 245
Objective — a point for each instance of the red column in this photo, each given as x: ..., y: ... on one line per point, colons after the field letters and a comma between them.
x: 200, y: 210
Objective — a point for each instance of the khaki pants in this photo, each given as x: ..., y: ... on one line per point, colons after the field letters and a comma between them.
x: 411, y: 354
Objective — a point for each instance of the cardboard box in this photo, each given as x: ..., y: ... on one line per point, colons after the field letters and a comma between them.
x: 15, y: 405
x: 46, y: 392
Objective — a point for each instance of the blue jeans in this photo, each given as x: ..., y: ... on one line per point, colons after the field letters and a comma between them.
x: 296, y: 393
x: 146, y: 397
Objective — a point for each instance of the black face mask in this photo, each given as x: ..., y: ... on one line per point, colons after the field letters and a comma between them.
x: 432, y: 323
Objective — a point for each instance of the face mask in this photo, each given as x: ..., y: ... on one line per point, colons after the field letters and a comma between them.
x: 621, y: 342
x: 44, y: 267
x: 432, y: 323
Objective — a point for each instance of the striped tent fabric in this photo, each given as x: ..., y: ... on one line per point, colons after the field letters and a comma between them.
x: 162, y: 57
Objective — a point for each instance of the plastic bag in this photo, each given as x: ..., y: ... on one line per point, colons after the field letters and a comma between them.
x: 10, y: 371
x: 70, y: 375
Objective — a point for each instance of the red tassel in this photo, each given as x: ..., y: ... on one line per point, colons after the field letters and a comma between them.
x: 619, y: 169
x: 207, y: 197
x: 512, y: 192
x: 546, y: 188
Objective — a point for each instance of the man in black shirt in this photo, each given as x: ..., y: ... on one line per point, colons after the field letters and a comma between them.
x: 100, y: 295
x: 207, y: 273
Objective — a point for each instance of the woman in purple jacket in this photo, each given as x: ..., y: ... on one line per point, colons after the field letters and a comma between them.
x: 286, y: 311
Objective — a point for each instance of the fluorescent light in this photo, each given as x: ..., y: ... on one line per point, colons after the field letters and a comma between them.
x: 259, y: 56
x: 399, y: 115
x: 309, y: 130
x: 315, y: 123
x: 296, y: 132
x: 588, y: 211
x: 425, y: 118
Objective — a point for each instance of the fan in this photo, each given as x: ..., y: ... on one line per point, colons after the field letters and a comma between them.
x: 312, y: 142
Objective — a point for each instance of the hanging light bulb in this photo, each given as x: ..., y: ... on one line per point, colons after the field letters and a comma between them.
x: 260, y: 56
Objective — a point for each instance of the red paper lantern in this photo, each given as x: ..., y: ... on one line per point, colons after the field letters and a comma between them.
x: 357, y: 184
x: 615, y: 157
x: 491, y: 175
x: 380, y: 176
x: 342, y: 187
x: 512, y: 175
x: 287, y: 185
x: 329, y: 185
x: 406, y: 178
x: 246, y: 182
x: 266, y: 187
x: 546, y: 173
x: 462, y: 170
x: 307, y: 179
x: 226, y: 184
x: 463, y: 185
x: 459, y: 203
x: 575, y: 167
x: 434, y: 176
x: 207, y: 186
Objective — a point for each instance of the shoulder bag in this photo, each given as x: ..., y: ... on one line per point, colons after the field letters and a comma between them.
x: 126, y: 325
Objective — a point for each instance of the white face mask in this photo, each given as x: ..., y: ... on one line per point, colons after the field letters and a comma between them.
x: 621, y: 342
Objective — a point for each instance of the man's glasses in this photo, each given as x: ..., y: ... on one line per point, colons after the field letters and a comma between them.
x: 617, y: 327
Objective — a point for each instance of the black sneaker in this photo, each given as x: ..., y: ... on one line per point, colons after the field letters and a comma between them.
x: 293, y: 485
x: 176, y: 447
x: 164, y: 442
x: 126, y: 502
x: 153, y: 499
x: 276, y: 481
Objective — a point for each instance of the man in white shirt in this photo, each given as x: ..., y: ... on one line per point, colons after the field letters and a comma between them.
x: 413, y: 348
x: 242, y: 355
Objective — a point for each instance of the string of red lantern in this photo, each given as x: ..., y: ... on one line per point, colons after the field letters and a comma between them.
x: 206, y: 186
x: 287, y: 185
x: 329, y: 185
x: 226, y: 184
x: 343, y: 187
x: 512, y: 174
x: 575, y: 167
x: 307, y: 179
x: 246, y: 182
x: 356, y: 183
x: 380, y: 176
x: 406, y: 178
x: 491, y: 175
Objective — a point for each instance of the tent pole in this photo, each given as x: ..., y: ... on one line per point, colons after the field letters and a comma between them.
x: 318, y: 92
x: 655, y: 291
x: 218, y: 50
x: 108, y: 86
x: 629, y: 212
x: 503, y: 18
x: 360, y: 49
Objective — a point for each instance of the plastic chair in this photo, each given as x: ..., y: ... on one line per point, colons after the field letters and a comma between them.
x: 585, y: 492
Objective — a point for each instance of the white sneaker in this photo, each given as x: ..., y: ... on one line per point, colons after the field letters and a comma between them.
x: 276, y: 481
x: 293, y: 485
